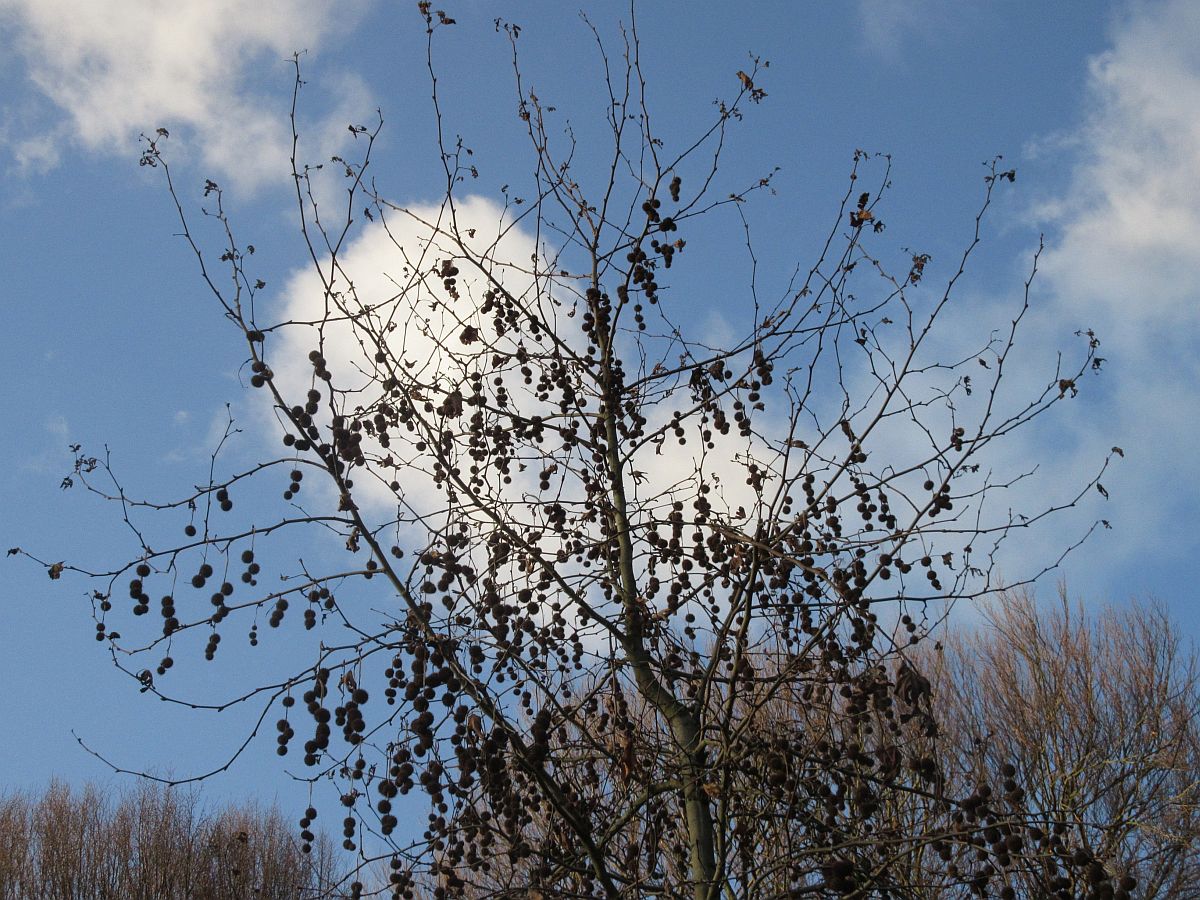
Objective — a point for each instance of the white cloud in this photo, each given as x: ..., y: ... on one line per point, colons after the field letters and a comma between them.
x: 389, y: 271
x: 888, y: 25
x: 36, y: 154
x: 117, y: 68
x: 1124, y: 259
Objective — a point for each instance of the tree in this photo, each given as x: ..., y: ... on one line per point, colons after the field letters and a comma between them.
x: 607, y: 551
x: 152, y: 843
x: 1095, y: 715
x: 1099, y: 712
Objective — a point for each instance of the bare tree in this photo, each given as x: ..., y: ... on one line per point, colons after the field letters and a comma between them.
x: 590, y: 549
x: 152, y: 843
x: 1087, y: 723
x: 1098, y: 714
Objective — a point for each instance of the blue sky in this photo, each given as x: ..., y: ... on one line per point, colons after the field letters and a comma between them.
x: 111, y: 338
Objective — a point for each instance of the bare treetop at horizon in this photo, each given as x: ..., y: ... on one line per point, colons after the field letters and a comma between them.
x: 591, y: 550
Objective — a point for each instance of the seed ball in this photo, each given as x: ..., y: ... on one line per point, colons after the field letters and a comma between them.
x: 190, y: 530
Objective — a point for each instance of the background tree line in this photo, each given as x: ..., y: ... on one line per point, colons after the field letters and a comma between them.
x: 153, y: 843
x: 1099, y: 711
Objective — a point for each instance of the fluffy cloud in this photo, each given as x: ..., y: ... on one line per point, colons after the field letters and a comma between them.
x: 1125, y: 259
x: 1130, y: 228
x: 388, y: 270
x: 116, y: 68
x: 387, y: 292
